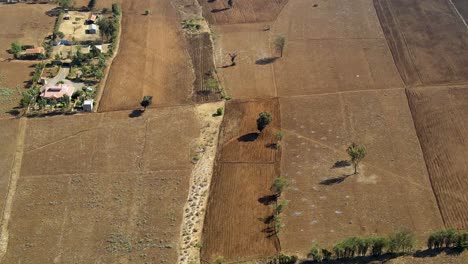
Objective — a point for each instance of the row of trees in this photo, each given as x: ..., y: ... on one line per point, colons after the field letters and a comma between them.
x: 400, y: 242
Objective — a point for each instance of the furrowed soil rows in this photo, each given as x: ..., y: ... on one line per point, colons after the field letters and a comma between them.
x: 152, y: 59
x: 201, y: 52
x: 328, y: 203
x: 243, y: 11
x: 440, y: 116
x: 428, y: 40
x: 103, y: 187
x: 235, y: 225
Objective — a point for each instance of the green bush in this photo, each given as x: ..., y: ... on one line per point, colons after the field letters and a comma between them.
x: 219, y: 111
x: 377, y: 245
x: 447, y: 238
x: 315, y: 253
x: 286, y: 259
x: 401, y: 242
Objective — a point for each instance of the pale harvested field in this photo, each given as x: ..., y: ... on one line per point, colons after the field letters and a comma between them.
x: 247, y: 79
x: 392, y: 191
x: 152, y: 59
x: 26, y: 23
x: 428, y: 40
x: 8, y: 130
x: 440, y: 116
x: 103, y: 188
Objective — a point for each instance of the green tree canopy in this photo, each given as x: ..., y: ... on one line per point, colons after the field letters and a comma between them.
x: 264, y: 118
x: 147, y: 101
x: 356, y: 154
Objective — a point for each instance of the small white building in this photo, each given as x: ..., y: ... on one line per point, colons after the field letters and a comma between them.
x: 92, y: 29
x: 88, y: 105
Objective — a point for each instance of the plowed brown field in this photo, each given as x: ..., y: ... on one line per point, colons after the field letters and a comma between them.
x: 428, y: 40
x: 440, y: 115
x: 243, y: 11
x: 101, y: 187
x: 152, y: 59
x: 392, y: 190
x: 245, y: 169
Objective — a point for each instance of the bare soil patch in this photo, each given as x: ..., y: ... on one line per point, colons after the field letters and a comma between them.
x: 392, y: 190
x: 243, y: 11
x: 26, y: 23
x: 152, y: 59
x: 103, y: 187
x: 439, y: 116
x: 16, y: 76
x: 235, y: 226
x: 428, y: 40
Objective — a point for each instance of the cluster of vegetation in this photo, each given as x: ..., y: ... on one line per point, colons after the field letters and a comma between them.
x: 89, y: 67
x: 37, y: 72
x: 278, y: 186
x: 191, y: 25
x: 448, y: 238
x: 401, y: 242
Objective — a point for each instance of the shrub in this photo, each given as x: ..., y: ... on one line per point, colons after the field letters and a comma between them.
x: 401, y: 242
x: 147, y: 12
x: 286, y: 259
x: 377, y: 245
x: 116, y: 9
x: 263, y: 120
x: 315, y: 253
x: 219, y: 260
x: 219, y: 111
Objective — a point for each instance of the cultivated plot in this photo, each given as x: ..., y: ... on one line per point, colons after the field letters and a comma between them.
x: 235, y: 224
x: 252, y: 76
x: 152, y: 59
x: 103, y: 187
x: 328, y: 203
x: 242, y: 11
x: 428, y: 40
x: 439, y: 116
x: 25, y: 23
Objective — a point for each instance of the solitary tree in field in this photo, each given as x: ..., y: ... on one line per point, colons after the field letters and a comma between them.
x: 356, y: 154
x: 233, y: 57
x: 263, y: 120
x: 280, y: 43
x: 279, y: 136
x: 279, y: 185
x: 147, y: 12
x: 147, y: 101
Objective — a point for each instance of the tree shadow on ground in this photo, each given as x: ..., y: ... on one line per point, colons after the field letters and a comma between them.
x: 267, y: 199
x: 265, y: 61
x: 136, y: 113
x: 217, y: 10
x: 333, y: 181
x: 428, y: 253
x: 271, y: 145
x: 248, y: 137
x: 341, y: 164
x: 13, y: 112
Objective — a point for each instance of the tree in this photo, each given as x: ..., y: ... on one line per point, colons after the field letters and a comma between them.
x: 264, y: 118
x: 92, y: 4
x: 356, y: 153
x: 280, y: 43
x: 147, y: 12
x: 65, y: 3
x: 281, y: 206
x: 401, y: 242
x: 279, y: 136
x: 147, y: 101
x: 16, y: 49
x: 279, y: 185
x: 65, y: 101
x: 98, y: 74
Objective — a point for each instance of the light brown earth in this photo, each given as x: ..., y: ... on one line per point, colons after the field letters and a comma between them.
x: 152, y: 59
x: 243, y: 11
x: 392, y: 190
x: 101, y: 187
x: 235, y: 225
x: 428, y: 40
x: 25, y: 23
x: 440, y: 116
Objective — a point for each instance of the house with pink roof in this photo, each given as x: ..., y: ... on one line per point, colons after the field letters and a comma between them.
x: 57, y: 91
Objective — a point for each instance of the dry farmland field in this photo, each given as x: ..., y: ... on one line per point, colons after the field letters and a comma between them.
x: 440, y: 116
x: 235, y: 225
x: 428, y: 40
x: 152, y: 59
x: 102, y: 187
x: 392, y: 190
x: 243, y: 11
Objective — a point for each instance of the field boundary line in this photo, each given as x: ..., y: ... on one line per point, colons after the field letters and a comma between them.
x: 14, y: 176
x: 458, y: 12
